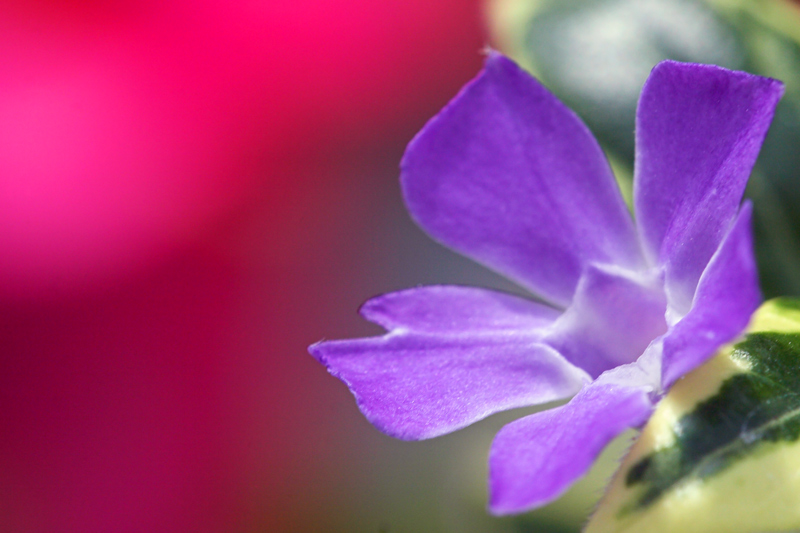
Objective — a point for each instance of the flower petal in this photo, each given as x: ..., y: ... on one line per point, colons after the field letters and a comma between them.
x: 414, y: 386
x: 596, y: 332
x: 510, y: 177
x: 535, y: 459
x: 698, y: 131
x: 727, y: 296
x: 453, y: 309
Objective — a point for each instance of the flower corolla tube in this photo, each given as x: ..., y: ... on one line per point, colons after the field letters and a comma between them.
x: 507, y: 175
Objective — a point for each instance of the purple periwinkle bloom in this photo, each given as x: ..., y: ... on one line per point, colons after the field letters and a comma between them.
x: 508, y: 176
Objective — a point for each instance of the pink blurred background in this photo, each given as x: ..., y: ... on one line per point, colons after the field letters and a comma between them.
x: 191, y: 192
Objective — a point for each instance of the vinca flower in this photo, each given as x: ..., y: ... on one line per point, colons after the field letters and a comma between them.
x: 619, y: 309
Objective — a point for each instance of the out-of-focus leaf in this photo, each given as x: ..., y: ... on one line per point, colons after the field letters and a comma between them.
x: 721, y: 452
x: 596, y: 54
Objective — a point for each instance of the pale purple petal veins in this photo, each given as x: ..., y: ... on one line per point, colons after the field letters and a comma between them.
x: 535, y: 459
x: 611, y: 321
x: 698, y: 131
x: 509, y: 176
x: 443, y: 309
x: 727, y: 296
x: 414, y: 386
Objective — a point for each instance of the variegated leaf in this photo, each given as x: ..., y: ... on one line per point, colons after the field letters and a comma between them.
x: 721, y: 452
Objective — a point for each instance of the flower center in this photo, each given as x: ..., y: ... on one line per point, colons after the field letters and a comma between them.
x: 614, y: 315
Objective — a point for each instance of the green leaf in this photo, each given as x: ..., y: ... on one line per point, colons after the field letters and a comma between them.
x: 722, y: 450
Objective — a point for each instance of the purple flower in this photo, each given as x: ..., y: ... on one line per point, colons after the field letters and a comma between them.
x: 511, y: 178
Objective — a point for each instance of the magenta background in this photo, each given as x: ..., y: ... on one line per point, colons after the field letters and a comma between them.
x: 191, y: 192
